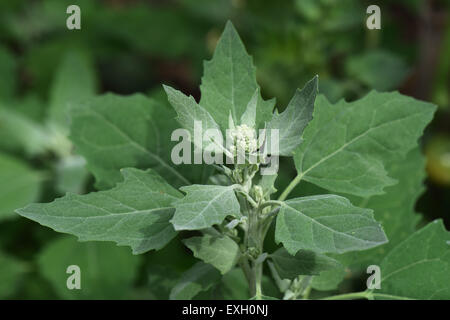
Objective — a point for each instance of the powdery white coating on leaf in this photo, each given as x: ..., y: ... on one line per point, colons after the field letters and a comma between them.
x: 221, y: 252
x: 347, y: 145
x: 204, y: 206
x: 326, y: 224
x: 135, y: 213
x: 292, y: 121
x: 419, y: 267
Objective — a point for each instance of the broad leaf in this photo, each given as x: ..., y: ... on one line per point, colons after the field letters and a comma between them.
x: 199, y: 278
x: 419, y: 267
x: 292, y: 121
x: 204, y: 206
x: 135, y: 213
x: 328, y: 280
x: 19, y: 186
x: 326, y: 223
x: 229, y: 82
x: 394, y: 209
x: 107, y: 271
x: 303, y: 263
x: 221, y: 252
x: 113, y: 132
x: 346, y: 145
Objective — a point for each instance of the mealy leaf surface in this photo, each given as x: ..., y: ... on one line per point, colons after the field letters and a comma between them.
x: 113, y: 132
x: 204, y: 206
x: 293, y: 120
x: 347, y: 145
x: 221, y: 252
x: 419, y: 267
x: 326, y: 224
x: 229, y: 82
x: 136, y: 213
x: 303, y: 263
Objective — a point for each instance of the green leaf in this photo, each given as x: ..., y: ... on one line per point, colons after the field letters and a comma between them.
x: 267, y: 183
x: 328, y: 280
x: 394, y: 209
x: 326, y: 223
x: 19, y: 186
x: 292, y: 121
x: 74, y: 81
x: 113, y: 132
x: 249, y: 115
x: 107, y: 271
x: 303, y: 263
x: 419, y: 267
x: 234, y: 286
x: 189, y: 111
x: 221, y: 252
x: 135, y: 213
x: 199, y: 278
x: 11, y: 271
x: 229, y: 82
x: 204, y: 206
x: 346, y: 145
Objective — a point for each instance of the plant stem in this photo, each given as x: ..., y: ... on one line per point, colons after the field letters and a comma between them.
x: 353, y: 295
x: 290, y: 187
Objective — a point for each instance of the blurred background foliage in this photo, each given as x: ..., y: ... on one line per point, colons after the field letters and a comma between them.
x: 128, y: 46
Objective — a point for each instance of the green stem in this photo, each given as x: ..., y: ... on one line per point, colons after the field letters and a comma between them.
x: 290, y: 187
x: 353, y: 295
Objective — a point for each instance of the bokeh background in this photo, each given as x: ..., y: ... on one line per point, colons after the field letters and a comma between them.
x: 128, y: 46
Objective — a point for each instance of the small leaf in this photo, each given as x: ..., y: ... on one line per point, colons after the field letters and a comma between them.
x: 419, y: 267
x: 267, y: 183
x: 326, y: 224
x: 303, y: 263
x: 347, y: 145
x: 74, y: 81
x: 221, y: 252
x: 204, y: 206
x: 199, y: 278
x: 135, y: 213
x: 189, y: 111
x: 292, y: 121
